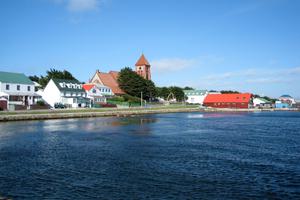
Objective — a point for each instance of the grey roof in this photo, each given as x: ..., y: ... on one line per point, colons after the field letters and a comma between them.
x: 286, y: 96
x: 67, y: 82
x: 195, y: 92
x: 17, y: 78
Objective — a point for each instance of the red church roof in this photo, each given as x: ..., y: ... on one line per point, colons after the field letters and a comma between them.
x: 142, y: 61
x: 228, y: 98
x: 110, y: 80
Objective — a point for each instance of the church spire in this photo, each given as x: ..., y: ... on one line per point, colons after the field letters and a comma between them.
x: 142, y: 67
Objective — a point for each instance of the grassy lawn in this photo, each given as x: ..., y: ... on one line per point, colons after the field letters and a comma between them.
x: 85, y: 110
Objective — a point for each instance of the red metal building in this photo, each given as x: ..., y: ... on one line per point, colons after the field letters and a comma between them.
x: 228, y: 100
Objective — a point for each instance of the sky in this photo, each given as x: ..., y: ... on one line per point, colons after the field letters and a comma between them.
x: 245, y: 45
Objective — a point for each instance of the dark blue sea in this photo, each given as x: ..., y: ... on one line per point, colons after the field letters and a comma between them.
x: 162, y: 156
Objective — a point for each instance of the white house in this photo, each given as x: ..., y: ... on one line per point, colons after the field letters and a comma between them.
x: 67, y: 92
x: 287, y: 99
x: 261, y: 102
x: 97, y: 93
x: 18, y: 89
x: 195, y: 96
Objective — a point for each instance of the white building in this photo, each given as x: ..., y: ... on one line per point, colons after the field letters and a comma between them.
x: 261, y: 102
x: 97, y: 93
x: 287, y: 99
x: 67, y: 92
x: 195, y: 96
x: 17, y: 89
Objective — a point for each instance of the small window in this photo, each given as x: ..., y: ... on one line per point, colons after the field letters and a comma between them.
x: 28, y: 88
x: 94, y: 91
x: 7, y: 87
x: 18, y: 87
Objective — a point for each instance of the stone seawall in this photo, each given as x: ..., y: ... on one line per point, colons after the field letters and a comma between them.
x: 118, y: 113
x: 44, y: 115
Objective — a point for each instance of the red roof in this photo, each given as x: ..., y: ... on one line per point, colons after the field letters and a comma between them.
x: 110, y: 80
x: 228, y: 98
x: 142, y: 61
x: 88, y: 86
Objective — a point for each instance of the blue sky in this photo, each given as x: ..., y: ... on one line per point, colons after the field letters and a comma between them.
x: 246, y: 45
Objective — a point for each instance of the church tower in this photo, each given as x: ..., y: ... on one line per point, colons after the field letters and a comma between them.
x: 142, y: 68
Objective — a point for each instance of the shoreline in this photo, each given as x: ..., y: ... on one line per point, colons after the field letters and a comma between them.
x: 78, y: 113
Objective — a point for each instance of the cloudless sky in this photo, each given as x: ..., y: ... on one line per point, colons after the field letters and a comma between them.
x: 246, y: 45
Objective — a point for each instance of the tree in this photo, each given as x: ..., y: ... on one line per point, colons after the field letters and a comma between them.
x: 188, y: 88
x: 52, y: 73
x: 229, y: 92
x: 133, y: 84
x: 34, y: 78
x: 163, y: 92
x: 178, y: 93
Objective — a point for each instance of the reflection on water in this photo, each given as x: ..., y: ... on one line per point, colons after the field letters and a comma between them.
x: 217, y: 115
x: 163, y: 156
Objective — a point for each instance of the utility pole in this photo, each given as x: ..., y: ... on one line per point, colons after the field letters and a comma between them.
x: 141, y: 99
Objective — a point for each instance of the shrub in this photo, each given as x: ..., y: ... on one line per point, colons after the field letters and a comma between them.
x: 120, y: 99
x: 131, y: 99
x: 40, y: 103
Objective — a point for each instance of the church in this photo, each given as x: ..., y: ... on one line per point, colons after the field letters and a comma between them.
x: 142, y: 68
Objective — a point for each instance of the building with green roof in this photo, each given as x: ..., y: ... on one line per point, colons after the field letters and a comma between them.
x: 67, y: 92
x: 262, y: 103
x: 195, y: 96
x: 18, y: 89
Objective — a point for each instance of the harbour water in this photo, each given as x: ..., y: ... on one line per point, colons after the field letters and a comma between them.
x: 161, y: 156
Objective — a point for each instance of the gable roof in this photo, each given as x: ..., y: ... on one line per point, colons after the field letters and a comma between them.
x: 142, y: 61
x: 77, y: 86
x: 18, y: 78
x: 194, y: 92
x: 88, y: 86
x: 285, y: 96
x: 110, y: 80
x: 263, y: 100
x: 228, y: 98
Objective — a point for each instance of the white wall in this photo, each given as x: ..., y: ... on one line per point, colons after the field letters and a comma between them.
x: 196, y: 99
x: 13, y: 88
x: 257, y: 102
x: 51, y: 94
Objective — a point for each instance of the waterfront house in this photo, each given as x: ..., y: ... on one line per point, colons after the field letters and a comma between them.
x: 195, y: 96
x: 261, y: 103
x: 109, y: 80
x: 297, y: 104
x: 287, y: 99
x: 228, y: 100
x: 97, y: 93
x: 3, y: 103
x: 280, y: 104
x: 17, y: 89
x: 67, y: 92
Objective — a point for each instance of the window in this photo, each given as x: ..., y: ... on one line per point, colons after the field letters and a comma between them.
x: 94, y: 91
x: 18, y: 87
x: 28, y: 88
x: 7, y: 87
